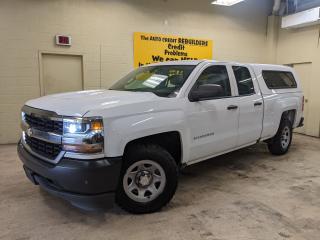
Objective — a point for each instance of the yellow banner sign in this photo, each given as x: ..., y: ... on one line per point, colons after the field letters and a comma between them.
x: 151, y: 48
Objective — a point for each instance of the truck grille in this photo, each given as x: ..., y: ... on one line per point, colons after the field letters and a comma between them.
x: 46, y: 149
x: 42, y: 133
x: 45, y: 124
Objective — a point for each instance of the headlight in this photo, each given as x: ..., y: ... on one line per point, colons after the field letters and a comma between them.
x: 83, y: 135
x: 75, y: 126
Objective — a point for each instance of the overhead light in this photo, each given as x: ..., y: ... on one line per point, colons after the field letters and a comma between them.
x: 226, y: 2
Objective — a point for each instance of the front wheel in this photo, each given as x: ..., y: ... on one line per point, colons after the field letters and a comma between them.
x: 281, y: 142
x: 148, y: 179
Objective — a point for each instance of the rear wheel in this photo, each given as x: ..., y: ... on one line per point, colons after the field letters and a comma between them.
x: 148, y: 179
x: 281, y: 142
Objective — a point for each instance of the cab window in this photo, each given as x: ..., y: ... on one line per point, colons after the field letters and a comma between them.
x: 217, y: 75
x: 244, y: 80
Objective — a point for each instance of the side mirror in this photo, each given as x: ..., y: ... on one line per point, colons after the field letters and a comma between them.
x: 205, y: 91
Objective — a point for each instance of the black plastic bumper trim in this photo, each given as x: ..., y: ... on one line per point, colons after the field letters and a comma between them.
x: 90, y: 185
x: 86, y: 202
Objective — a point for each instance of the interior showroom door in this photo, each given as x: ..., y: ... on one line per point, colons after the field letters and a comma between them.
x: 304, y: 72
x: 61, y: 73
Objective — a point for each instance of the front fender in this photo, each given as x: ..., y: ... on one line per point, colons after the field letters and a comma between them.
x: 120, y: 131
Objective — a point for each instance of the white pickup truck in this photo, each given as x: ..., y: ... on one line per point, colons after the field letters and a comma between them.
x: 126, y: 144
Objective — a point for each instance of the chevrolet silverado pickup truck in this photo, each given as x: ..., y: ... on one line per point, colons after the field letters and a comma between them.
x: 127, y: 144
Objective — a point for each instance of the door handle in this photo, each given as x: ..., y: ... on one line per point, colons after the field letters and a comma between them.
x: 232, y: 107
x: 257, y: 104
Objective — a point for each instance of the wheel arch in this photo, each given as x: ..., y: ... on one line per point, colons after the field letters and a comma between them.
x: 171, y: 141
x: 290, y: 115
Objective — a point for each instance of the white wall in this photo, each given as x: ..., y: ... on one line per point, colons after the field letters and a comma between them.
x: 303, y: 46
x: 102, y: 31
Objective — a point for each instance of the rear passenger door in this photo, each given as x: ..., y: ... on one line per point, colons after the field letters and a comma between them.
x: 250, y: 104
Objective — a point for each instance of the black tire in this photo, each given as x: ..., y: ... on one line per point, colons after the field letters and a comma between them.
x: 275, y: 145
x: 158, y: 155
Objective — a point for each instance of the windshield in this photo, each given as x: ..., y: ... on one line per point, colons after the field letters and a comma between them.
x: 162, y: 80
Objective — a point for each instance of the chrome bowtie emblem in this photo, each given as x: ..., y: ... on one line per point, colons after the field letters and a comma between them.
x: 29, y: 132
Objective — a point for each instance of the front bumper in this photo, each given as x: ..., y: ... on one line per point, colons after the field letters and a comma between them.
x: 87, y: 184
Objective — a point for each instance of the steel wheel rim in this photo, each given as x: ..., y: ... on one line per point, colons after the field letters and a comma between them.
x: 144, y: 181
x: 285, y: 137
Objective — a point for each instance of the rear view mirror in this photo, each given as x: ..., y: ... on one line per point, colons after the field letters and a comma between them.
x: 176, y: 80
x: 205, y: 91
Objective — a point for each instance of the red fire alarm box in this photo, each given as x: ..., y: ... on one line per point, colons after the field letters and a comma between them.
x: 63, y: 40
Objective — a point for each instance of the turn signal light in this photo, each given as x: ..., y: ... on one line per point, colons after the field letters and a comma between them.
x: 96, y: 125
x: 84, y: 148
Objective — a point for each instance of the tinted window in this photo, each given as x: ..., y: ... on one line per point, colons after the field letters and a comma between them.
x: 244, y: 80
x: 216, y: 75
x: 279, y: 80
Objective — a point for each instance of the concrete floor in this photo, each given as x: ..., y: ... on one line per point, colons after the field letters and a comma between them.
x: 248, y: 194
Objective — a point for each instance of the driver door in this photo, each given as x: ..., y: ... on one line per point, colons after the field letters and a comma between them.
x: 213, y: 123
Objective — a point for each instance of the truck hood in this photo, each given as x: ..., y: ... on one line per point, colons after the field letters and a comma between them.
x: 79, y: 103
